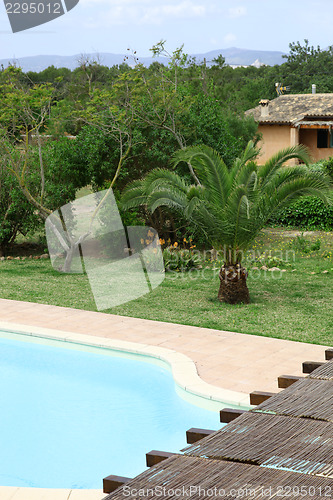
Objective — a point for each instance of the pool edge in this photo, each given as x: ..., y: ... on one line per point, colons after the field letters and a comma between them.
x: 183, y: 368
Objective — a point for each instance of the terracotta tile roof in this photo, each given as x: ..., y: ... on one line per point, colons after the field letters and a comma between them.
x: 295, y: 107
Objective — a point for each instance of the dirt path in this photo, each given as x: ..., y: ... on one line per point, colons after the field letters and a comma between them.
x: 292, y: 233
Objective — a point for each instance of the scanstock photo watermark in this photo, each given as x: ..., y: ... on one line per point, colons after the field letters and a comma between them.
x: 196, y: 491
x: 88, y: 236
x: 23, y: 14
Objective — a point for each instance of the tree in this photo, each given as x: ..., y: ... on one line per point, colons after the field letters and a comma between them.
x: 16, y: 213
x: 230, y: 205
x: 57, y: 76
x: 24, y: 116
x: 24, y: 112
x: 307, y: 65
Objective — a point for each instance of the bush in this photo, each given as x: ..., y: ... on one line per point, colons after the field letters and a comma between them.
x: 328, y: 166
x: 305, y: 246
x: 16, y: 213
x: 308, y: 213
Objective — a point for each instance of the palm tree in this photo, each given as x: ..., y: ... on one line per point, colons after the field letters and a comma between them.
x: 231, y: 205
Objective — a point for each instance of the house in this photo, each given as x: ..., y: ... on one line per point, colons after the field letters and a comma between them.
x: 295, y: 119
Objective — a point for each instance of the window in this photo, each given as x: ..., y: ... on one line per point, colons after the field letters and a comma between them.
x: 322, y: 138
x: 331, y: 138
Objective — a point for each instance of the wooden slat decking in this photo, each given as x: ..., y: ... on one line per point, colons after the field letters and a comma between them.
x: 309, y: 398
x: 324, y: 372
x: 281, y: 448
x: 201, y: 477
x: 296, y: 444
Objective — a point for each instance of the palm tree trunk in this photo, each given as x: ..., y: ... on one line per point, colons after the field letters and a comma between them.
x: 233, y: 287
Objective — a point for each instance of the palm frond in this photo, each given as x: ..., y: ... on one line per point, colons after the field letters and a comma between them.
x: 134, y: 196
x: 192, y: 205
x: 251, y: 152
x: 290, y: 191
x: 296, y: 188
x: 321, y: 182
x: 252, y: 181
x: 249, y: 155
x: 160, y: 178
x: 237, y: 218
x: 210, y: 169
x: 268, y: 170
x: 167, y: 198
x: 247, y: 176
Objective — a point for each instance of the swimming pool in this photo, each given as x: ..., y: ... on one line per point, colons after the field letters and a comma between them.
x: 71, y: 417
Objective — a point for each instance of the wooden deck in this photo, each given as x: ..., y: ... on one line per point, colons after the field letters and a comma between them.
x: 198, y: 478
x: 324, y: 372
x: 297, y: 444
x: 308, y: 398
x: 281, y: 448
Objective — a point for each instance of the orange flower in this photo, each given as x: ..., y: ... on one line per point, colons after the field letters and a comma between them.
x: 175, y: 244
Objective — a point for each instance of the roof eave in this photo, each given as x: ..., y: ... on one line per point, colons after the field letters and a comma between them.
x: 275, y: 122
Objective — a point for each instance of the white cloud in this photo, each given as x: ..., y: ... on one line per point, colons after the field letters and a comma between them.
x: 185, y: 9
x: 237, y: 11
x: 214, y: 41
x: 118, y: 12
x: 229, y: 37
x: 115, y: 3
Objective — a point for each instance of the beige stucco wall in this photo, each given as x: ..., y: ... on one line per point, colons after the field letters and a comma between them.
x: 309, y: 139
x: 277, y: 137
x: 274, y: 138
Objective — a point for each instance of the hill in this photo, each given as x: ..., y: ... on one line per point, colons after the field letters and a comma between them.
x: 233, y: 56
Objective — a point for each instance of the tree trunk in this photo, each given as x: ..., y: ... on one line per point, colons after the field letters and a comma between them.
x: 233, y: 287
x: 68, y: 259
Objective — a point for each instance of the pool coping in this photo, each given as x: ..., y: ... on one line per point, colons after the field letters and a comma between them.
x: 183, y: 369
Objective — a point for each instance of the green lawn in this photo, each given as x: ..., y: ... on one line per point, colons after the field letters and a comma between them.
x: 295, y: 305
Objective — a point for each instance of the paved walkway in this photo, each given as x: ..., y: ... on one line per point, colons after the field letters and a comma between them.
x: 235, y: 361
x: 227, y: 360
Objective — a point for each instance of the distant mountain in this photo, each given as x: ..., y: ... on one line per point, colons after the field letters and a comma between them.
x: 38, y: 63
x: 233, y: 57
x: 244, y: 57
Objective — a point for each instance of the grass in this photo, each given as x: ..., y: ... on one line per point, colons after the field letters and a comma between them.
x: 294, y: 305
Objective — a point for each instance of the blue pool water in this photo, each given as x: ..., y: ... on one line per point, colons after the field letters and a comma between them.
x: 68, y: 418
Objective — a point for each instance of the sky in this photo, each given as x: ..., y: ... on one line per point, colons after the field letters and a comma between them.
x: 115, y: 25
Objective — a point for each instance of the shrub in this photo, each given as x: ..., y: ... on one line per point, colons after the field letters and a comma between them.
x: 328, y: 166
x: 306, y: 246
x: 269, y: 260
x: 307, y: 213
x: 16, y: 213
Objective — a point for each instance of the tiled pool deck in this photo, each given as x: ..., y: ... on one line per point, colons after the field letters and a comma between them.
x: 227, y: 360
